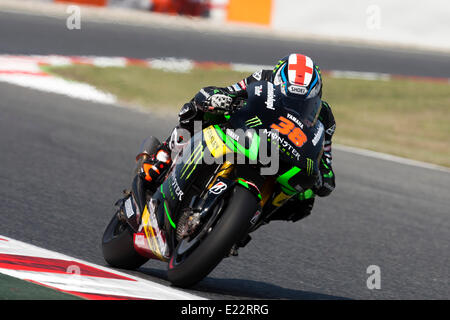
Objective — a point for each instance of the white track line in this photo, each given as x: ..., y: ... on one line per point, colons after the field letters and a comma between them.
x: 25, y: 71
x: 56, y: 85
x: 388, y: 157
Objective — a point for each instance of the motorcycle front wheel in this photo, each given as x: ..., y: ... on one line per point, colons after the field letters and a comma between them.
x: 187, y: 267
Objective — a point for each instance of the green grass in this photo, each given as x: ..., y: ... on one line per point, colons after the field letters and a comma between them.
x: 16, y: 289
x: 401, y: 117
x: 405, y: 118
x: 146, y: 87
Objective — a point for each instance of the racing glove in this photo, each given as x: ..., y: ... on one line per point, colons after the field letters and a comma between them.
x: 209, y: 101
x: 212, y: 99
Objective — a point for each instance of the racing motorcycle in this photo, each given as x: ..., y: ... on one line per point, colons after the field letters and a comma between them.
x: 203, y: 209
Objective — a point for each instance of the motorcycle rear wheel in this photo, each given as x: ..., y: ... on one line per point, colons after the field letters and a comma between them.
x: 118, y: 246
x: 117, y: 242
x: 187, y: 269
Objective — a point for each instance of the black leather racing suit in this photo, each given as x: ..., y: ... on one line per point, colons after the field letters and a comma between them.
x: 298, y: 207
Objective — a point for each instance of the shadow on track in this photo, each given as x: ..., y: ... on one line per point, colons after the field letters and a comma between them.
x: 247, y: 289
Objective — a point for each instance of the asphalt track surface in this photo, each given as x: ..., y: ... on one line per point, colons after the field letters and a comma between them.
x: 63, y: 163
x: 28, y: 34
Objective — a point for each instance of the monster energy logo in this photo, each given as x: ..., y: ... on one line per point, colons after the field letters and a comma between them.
x: 309, y: 166
x: 253, y: 122
x: 192, y: 162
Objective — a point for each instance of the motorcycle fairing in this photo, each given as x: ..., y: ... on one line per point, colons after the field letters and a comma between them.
x: 160, y: 215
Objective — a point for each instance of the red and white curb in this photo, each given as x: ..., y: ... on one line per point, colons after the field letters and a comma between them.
x: 78, y: 277
x: 30, y: 65
x: 27, y: 71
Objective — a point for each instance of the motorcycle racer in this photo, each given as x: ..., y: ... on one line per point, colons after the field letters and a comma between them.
x: 292, y: 74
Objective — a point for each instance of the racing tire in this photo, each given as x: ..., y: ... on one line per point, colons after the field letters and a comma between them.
x: 117, y: 242
x: 229, y: 229
x: 118, y: 246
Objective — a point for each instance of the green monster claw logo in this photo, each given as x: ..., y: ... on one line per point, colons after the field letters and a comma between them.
x: 253, y: 122
x: 309, y: 166
x: 192, y: 162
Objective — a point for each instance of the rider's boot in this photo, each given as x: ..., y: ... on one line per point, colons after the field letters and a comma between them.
x: 155, y: 166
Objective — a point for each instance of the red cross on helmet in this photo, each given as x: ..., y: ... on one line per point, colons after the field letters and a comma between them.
x: 298, y: 86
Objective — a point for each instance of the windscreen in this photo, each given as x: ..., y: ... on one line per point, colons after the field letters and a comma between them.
x: 307, y: 109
